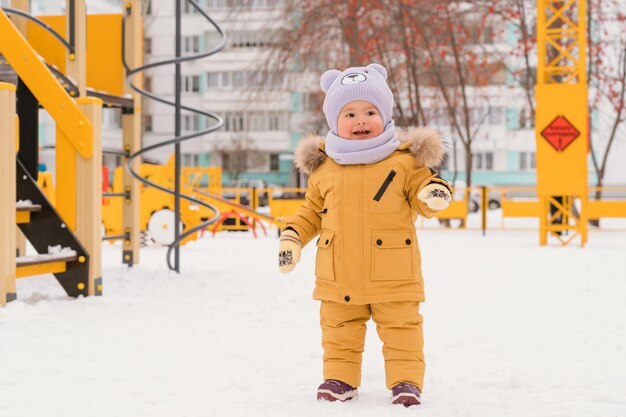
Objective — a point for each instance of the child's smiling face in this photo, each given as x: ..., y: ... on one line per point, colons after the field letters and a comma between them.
x: 359, y: 120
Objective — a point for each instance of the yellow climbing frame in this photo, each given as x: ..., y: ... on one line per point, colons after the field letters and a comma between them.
x: 562, y: 120
x: 63, y: 109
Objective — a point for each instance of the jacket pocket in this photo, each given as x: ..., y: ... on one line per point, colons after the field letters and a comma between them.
x: 394, y: 254
x: 385, y: 190
x: 324, y: 261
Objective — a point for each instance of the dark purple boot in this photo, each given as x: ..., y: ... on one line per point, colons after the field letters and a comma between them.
x: 406, y: 394
x: 333, y: 390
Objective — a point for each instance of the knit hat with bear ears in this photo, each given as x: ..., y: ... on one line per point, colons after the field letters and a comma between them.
x: 356, y: 83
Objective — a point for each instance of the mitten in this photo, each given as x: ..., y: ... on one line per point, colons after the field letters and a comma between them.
x: 289, y: 250
x: 435, y: 195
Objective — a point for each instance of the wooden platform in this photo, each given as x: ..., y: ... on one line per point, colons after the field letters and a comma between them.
x: 23, y: 212
x: 51, y: 263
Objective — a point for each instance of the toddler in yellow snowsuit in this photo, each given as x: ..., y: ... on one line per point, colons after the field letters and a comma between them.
x: 366, y: 187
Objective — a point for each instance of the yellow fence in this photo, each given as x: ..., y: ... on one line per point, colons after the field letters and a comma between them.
x: 470, y: 208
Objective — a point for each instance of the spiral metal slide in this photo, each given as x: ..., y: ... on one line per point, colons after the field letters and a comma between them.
x: 198, y: 197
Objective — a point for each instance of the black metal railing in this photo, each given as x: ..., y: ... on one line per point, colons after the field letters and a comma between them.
x: 130, y: 73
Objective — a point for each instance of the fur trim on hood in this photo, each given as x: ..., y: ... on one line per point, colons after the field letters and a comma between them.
x: 309, y: 154
x: 425, y: 144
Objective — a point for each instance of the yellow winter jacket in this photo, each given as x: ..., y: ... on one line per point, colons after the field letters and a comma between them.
x: 367, y: 250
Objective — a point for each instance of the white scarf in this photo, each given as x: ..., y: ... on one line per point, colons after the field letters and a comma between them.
x: 362, y: 151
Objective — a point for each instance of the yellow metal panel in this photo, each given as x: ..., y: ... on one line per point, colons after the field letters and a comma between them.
x: 104, y: 49
x: 562, y: 172
x: 520, y: 208
x: 26, y: 62
x: 47, y: 45
x: 599, y: 209
x: 104, y: 53
x: 47, y: 268
x: 22, y: 217
x: 456, y: 210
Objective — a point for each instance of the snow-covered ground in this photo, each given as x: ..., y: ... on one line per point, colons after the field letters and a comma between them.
x: 511, y: 329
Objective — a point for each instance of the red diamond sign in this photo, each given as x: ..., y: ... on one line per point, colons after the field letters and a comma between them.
x: 560, y: 133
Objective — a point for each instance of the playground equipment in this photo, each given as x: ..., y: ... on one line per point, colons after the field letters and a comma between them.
x: 65, y: 234
x: 156, y: 209
x: 562, y: 120
x: 132, y: 163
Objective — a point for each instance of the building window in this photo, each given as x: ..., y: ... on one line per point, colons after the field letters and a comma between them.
x: 191, y: 84
x: 216, y: 4
x: 147, y: 45
x: 191, y: 159
x: 533, y: 160
x: 191, y: 122
x: 256, y: 121
x: 238, y: 79
x: 188, y: 8
x: 523, y: 162
x: 191, y: 44
x: 274, y: 162
x: 525, y: 121
x: 275, y: 120
x: 489, y: 161
x: 147, y: 83
x: 147, y: 122
x: 212, y: 80
x: 478, y: 161
x: 244, y: 80
x: 233, y: 122
x: 496, y: 115
x: 226, y: 80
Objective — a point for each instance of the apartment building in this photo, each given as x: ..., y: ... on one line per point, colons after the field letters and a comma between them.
x: 267, y: 115
x: 257, y: 106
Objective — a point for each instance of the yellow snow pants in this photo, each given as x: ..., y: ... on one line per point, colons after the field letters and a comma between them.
x: 399, y: 326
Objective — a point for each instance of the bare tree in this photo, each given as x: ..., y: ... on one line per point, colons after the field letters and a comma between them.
x: 459, y: 69
x: 521, y: 15
x: 607, y: 73
x: 239, y: 155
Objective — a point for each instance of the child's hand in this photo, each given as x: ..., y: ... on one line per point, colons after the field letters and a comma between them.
x: 289, y: 250
x: 436, y: 196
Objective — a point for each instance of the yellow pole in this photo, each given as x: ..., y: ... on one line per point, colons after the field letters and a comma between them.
x: 89, y: 195
x: 131, y: 131
x: 7, y: 184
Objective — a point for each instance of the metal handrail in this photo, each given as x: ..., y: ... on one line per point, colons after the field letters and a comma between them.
x: 42, y: 24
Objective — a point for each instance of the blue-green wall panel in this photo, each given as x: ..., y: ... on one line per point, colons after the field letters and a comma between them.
x: 512, y: 160
x: 512, y: 118
x: 205, y: 159
x: 295, y: 139
x: 285, y: 165
x: 295, y: 102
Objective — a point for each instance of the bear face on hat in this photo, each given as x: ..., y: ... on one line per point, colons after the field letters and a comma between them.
x: 356, y: 83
